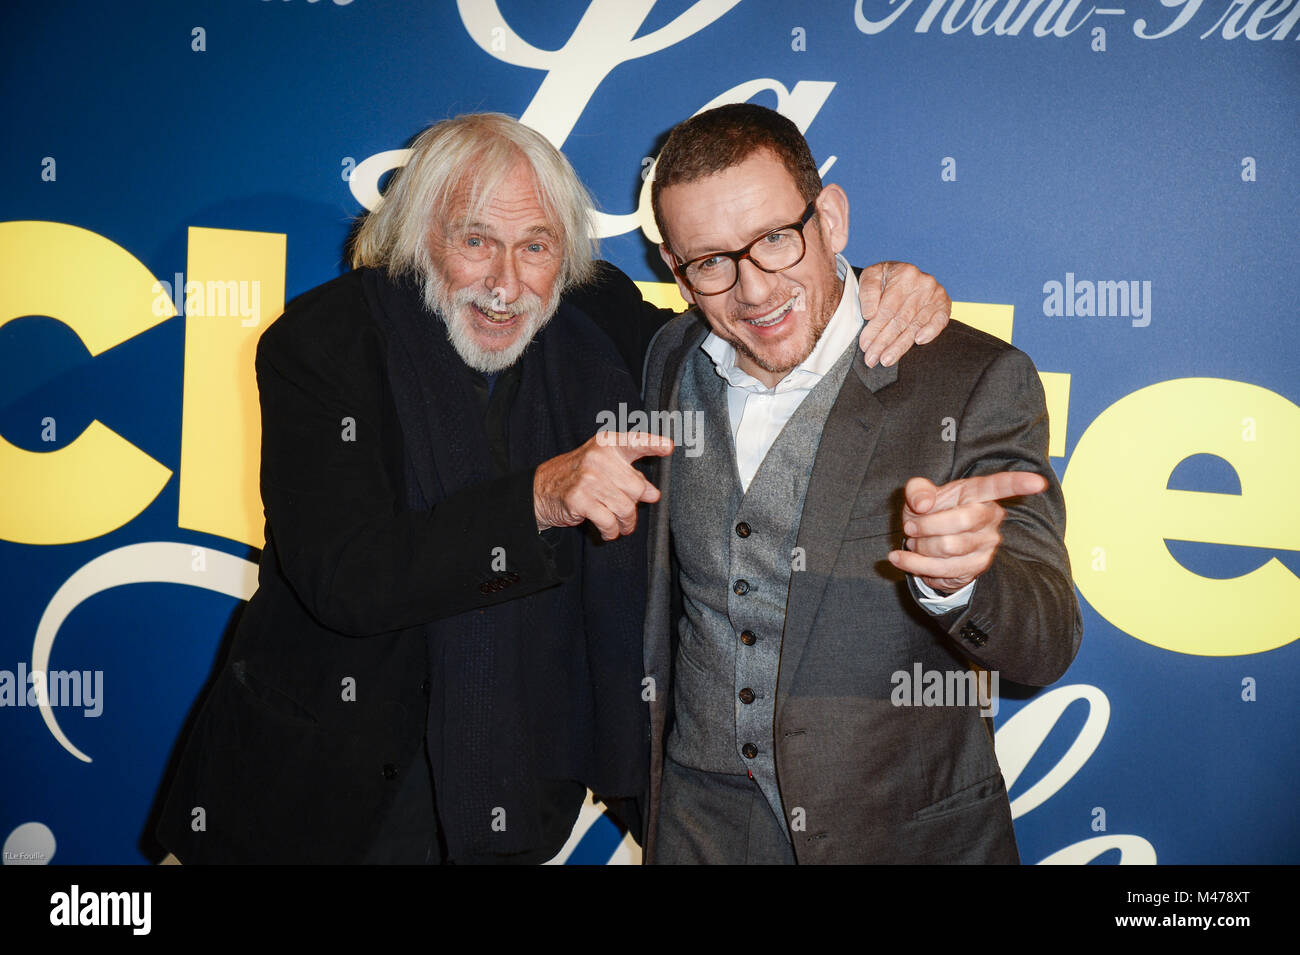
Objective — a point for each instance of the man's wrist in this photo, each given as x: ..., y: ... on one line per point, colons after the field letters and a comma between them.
x: 937, y: 602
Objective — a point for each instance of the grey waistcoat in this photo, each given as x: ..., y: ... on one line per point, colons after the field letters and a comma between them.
x: 734, y: 586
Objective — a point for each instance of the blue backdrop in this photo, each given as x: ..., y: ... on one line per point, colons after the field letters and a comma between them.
x: 1114, y: 189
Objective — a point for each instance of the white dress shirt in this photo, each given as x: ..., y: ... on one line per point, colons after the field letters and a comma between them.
x: 758, y: 413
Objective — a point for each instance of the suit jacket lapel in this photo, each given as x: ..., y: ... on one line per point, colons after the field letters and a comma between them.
x: 839, y: 470
x: 666, y: 396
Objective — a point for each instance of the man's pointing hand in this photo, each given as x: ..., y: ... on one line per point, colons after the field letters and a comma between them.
x: 951, y: 532
x: 596, y: 482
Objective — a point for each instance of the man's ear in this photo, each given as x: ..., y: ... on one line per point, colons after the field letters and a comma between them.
x: 833, y: 210
x: 670, y: 260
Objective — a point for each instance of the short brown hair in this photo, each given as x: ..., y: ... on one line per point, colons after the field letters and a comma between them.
x: 726, y: 136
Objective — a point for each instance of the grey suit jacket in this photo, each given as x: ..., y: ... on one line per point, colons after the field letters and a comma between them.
x: 878, y: 782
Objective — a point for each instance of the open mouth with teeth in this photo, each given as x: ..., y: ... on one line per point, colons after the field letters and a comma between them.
x: 494, y: 317
x: 772, y: 319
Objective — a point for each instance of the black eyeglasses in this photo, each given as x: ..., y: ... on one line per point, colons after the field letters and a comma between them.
x: 773, y: 251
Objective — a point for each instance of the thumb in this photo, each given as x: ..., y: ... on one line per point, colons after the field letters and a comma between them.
x: 920, y: 495
x: 649, y: 494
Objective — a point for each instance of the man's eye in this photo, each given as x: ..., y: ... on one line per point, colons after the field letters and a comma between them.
x: 776, y: 238
x: 536, y: 248
x: 474, y: 242
x: 709, y: 264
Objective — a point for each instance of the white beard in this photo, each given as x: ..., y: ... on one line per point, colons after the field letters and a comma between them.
x: 453, y: 309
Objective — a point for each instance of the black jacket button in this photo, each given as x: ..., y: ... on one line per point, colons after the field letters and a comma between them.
x: 747, y: 637
x: 741, y: 587
x: 746, y: 696
x: 749, y: 750
x: 390, y: 771
x: 424, y: 687
x: 742, y: 530
x: 485, y: 588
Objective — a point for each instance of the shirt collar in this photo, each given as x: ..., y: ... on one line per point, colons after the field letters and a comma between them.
x: 842, y: 329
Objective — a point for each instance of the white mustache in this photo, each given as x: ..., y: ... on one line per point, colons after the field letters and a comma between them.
x: 526, y: 304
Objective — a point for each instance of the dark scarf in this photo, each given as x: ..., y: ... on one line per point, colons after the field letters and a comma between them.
x: 544, y: 687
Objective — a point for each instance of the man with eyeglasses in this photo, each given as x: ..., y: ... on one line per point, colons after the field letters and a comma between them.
x: 837, y: 539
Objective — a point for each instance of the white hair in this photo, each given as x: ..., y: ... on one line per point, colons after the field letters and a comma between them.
x: 472, y: 154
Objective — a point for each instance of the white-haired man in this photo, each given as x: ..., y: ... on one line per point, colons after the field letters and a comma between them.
x: 440, y: 659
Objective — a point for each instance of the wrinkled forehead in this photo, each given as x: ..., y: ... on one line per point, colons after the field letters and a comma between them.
x: 510, y: 200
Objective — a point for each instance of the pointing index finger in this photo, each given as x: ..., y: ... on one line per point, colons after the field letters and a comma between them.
x: 1004, y: 484
x: 640, y: 444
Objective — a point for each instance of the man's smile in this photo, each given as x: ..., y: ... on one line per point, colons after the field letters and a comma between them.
x: 773, y: 319
x: 495, y: 318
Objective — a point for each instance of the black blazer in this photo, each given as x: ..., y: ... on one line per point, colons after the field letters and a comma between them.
x: 285, y: 763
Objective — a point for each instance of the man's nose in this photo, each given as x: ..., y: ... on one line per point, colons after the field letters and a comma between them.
x: 502, y: 280
x: 753, y: 285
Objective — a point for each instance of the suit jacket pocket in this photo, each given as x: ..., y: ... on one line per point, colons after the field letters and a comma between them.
x: 279, y: 702
x: 986, y: 788
x: 873, y: 525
